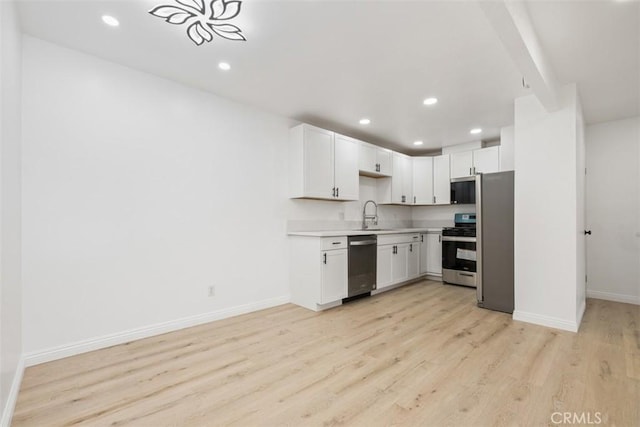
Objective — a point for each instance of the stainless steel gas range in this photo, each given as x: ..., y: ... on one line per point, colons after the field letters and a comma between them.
x: 459, y: 264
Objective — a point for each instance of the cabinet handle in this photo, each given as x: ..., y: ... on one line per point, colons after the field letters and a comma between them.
x: 422, y: 237
x: 336, y: 243
x: 395, y: 250
x: 334, y: 192
x: 470, y: 173
x: 404, y: 198
x: 414, y: 200
x: 325, y: 258
x: 434, y: 200
x: 410, y: 247
x: 337, y: 191
x: 439, y: 238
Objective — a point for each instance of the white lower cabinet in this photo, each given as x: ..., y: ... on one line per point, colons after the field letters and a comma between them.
x: 431, y: 254
x: 413, y: 260
x: 333, y: 282
x: 319, y: 267
x: 319, y: 271
x: 384, y: 276
x: 398, y: 259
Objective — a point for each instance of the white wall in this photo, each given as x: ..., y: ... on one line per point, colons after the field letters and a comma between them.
x: 546, y: 198
x: 507, y: 147
x: 581, y: 254
x: 10, y: 216
x: 613, y: 210
x: 139, y: 194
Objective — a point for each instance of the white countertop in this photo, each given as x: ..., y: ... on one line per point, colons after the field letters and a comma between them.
x: 336, y: 233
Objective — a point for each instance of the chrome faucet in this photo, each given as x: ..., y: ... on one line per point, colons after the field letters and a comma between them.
x: 365, y: 217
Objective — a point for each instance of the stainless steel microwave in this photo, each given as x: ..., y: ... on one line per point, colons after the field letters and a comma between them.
x: 463, y: 190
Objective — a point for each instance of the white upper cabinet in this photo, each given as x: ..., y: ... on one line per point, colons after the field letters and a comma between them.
x: 467, y: 163
x: 398, y: 188
x: 461, y: 164
x: 346, y: 181
x: 407, y: 179
x: 384, y: 161
x: 431, y: 181
x: 323, y: 165
x: 423, y: 181
x: 441, y: 180
x: 374, y: 161
x: 487, y: 160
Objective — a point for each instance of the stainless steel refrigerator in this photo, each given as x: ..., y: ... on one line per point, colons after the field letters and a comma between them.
x: 495, y: 262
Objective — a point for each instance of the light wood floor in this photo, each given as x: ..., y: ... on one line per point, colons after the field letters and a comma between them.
x: 420, y: 355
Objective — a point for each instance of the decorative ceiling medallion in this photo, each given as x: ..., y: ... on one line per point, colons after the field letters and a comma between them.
x: 204, y: 18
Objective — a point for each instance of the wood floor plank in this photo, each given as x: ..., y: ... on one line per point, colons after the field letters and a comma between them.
x: 422, y: 354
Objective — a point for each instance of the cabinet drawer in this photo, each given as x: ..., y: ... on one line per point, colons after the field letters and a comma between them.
x: 329, y: 243
x: 393, y: 239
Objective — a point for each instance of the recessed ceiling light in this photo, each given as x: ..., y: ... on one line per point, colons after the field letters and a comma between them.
x: 224, y: 66
x: 475, y: 131
x: 110, y: 20
x: 418, y: 143
x: 365, y: 121
x: 430, y: 101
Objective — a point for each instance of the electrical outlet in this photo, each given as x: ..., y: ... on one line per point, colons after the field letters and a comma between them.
x: 212, y: 291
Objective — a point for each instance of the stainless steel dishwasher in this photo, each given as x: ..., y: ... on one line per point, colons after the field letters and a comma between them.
x: 363, y: 252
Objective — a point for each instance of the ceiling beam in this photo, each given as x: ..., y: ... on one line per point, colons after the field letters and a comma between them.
x: 512, y: 23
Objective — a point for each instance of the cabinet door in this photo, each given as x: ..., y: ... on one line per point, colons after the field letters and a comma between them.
x: 367, y: 157
x: 407, y: 180
x: 423, y: 180
x: 441, y: 180
x: 487, y: 160
x: 434, y: 254
x: 334, y: 276
x: 396, y: 180
x: 413, y: 261
x: 346, y: 168
x: 384, y: 160
x: 318, y: 162
x: 383, y: 266
x: 399, y: 263
x: 424, y: 253
x: 461, y: 164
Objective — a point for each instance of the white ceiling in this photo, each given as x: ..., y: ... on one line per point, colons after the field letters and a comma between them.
x: 331, y: 63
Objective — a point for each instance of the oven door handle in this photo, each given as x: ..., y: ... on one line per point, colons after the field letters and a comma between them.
x: 458, y: 239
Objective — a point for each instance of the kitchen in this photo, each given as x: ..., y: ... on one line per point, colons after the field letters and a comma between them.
x: 146, y: 212
x: 466, y: 176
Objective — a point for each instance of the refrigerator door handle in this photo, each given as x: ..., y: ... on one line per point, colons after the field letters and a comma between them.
x: 479, y: 293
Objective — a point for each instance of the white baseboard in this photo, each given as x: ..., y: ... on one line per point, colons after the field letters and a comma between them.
x: 59, y: 352
x: 610, y: 296
x: 551, y: 322
x: 12, y: 398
